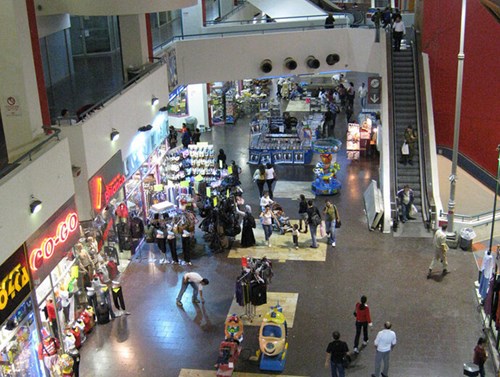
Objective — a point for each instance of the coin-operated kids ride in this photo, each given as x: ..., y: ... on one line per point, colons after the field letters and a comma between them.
x: 326, y: 182
x: 230, y: 348
x: 273, y: 340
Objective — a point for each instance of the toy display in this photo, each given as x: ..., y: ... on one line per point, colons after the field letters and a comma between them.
x: 326, y: 182
x: 230, y: 349
x: 273, y: 340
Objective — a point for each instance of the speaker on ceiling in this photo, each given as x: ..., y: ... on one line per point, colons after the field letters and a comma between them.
x: 332, y: 59
x: 290, y: 64
x: 266, y: 66
x: 312, y: 62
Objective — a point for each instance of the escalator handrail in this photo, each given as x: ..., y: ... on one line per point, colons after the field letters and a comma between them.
x: 424, y: 149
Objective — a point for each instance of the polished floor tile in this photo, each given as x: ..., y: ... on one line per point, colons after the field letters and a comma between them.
x: 206, y: 373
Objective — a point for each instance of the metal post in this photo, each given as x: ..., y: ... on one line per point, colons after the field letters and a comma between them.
x: 495, y: 205
x: 458, y: 107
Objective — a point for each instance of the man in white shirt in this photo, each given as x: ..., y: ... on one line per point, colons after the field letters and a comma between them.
x: 384, y: 343
x: 362, y: 92
x: 196, y: 281
x: 399, y: 29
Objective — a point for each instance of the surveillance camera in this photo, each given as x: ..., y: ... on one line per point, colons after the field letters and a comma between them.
x: 76, y: 170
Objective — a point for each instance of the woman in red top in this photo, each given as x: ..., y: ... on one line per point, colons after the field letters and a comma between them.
x: 363, y: 319
x: 480, y: 355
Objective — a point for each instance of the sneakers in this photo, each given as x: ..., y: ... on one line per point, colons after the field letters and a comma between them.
x: 356, y: 350
x: 296, y: 247
x: 364, y: 343
x: 178, y: 303
x: 196, y: 301
x: 269, y: 244
x: 189, y: 263
x: 445, y: 272
x: 333, y: 244
x: 429, y: 274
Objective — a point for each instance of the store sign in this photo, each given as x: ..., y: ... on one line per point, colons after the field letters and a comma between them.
x: 106, y: 182
x: 15, y: 283
x: 53, y: 240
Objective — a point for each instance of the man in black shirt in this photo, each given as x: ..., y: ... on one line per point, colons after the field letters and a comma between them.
x: 335, y: 354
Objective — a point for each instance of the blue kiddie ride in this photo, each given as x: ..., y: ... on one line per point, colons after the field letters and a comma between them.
x: 273, y: 340
x: 326, y: 182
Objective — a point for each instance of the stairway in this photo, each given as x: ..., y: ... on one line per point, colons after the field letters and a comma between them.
x: 405, y: 110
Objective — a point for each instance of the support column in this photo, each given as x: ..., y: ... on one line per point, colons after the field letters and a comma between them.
x: 23, y: 97
x: 134, y: 31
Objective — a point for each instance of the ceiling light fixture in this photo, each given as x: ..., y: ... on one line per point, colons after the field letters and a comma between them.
x: 35, y: 205
x: 114, y: 135
x: 154, y: 101
x: 145, y: 128
x: 164, y: 109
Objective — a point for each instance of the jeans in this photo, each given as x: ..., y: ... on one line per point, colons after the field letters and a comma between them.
x: 360, y: 325
x: 378, y: 361
x: 405, y: 211
x: 337, y: 369
x: 313, y: 229
x: 270, y: 187
x: 330, y: 228
x: 268, y: 231
x: 184, y: 287
x: 260, y: 185
x: 363, y: 102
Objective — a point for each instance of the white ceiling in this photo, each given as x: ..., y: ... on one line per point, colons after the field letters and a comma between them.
x: 287, y: 8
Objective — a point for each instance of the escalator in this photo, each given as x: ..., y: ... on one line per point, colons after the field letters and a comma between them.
x: 407, y: 111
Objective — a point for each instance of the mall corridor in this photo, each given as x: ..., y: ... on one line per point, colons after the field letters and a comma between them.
x: 436, y: 320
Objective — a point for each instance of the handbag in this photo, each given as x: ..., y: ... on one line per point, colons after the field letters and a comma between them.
x: 413, y: 211
x: 322, y: 231
x: 315, y: 219
x: 338, y: 224
x: 405, y: 149
x: 346, y: 360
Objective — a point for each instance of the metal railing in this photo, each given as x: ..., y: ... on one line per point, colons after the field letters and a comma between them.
x: 474, y: 220
x: 29, y: 154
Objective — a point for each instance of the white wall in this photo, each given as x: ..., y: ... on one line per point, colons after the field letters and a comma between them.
x: 192, y: 20
x: 48, y: 177
x: 197, y: 102
x: 47, y: 25
x: 109, y: 7
x: 239, y: 57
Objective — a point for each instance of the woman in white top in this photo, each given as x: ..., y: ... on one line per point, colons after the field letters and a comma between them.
x: 265, y: 200
x: 270, y: 178
x: 266, y: 218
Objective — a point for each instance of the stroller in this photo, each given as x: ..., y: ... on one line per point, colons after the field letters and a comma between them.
x: 281, y: 221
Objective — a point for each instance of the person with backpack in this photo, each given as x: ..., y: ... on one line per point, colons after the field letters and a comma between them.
x: 336, y: 354
x: 314, y: 220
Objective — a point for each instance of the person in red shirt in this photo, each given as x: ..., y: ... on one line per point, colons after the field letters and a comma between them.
x: 363, y: 320
x: 480, y: 355
x: 51, y: 313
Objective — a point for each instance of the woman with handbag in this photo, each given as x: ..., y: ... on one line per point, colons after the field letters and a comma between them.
x: 332, y: 220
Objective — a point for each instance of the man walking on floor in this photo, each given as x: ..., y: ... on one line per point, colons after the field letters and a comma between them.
x: 196, y: 281
x: 440, y: 251
x: 384, y: 343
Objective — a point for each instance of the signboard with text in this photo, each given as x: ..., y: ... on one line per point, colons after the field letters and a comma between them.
x: 106, y: 182
x: 49, y: 244
x: 15, y: 283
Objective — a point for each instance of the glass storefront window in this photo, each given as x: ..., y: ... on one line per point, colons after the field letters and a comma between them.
x: 179, y: 105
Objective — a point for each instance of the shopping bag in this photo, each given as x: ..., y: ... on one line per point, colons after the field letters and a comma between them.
x: 413, y: 211
x: 322, y: 230
x: 405, y: 149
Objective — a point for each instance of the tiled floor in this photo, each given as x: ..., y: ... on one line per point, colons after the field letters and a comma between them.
x: 436, y: 320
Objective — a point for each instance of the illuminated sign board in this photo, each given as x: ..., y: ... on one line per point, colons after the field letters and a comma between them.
x: 15, y: 283
x: 53, y: 240
x: 106, y: 182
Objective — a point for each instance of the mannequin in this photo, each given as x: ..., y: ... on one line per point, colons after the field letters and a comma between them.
x: 172, y: 245
x: 65, y: 304
x: 186, y: 246
x: 85, y: 259
x: 117, y: 292
x: 486, y: 273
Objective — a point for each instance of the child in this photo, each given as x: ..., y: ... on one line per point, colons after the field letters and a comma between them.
x: 295, y: 235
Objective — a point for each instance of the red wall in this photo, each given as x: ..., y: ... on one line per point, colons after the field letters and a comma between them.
x: 480, y: 116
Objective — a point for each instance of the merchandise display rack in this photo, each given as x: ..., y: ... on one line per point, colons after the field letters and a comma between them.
x: 184, y: 164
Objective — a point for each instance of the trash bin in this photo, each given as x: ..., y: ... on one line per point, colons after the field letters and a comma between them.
x: 471, y: 370
x: 466, y: 237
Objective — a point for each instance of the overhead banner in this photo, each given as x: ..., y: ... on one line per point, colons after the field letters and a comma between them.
x: 49, y: 244
x: 15, y: 283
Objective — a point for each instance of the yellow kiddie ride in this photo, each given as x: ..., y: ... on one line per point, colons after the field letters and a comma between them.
x: 273, y: 340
